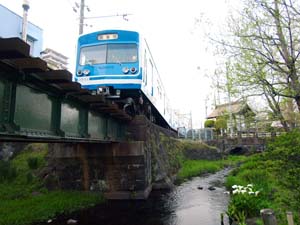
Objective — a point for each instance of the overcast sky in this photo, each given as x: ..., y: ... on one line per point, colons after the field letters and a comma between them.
x: 173, y: 29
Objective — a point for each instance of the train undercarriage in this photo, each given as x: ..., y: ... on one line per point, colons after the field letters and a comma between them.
x: 133, y: 102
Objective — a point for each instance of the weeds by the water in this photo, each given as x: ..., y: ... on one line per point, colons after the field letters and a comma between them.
x: 44, y: 206
x: 192, y: 168
x: 276, y: 173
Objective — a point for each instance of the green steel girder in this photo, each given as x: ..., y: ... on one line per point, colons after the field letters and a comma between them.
x: 8, y: 100
x: 39, y: 103
x: 30, y: 111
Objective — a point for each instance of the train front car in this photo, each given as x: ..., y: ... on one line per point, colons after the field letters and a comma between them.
x: 108, y: 64
x: 119, y: 65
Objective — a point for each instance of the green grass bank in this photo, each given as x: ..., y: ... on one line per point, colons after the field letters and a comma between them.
x: 24, y: 200
x: 275, y: 176
x: 197, y: 167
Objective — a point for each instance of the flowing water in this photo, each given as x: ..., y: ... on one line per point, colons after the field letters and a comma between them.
x: 191, y: 203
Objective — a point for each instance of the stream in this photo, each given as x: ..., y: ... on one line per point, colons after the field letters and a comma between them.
x: 191, y: 203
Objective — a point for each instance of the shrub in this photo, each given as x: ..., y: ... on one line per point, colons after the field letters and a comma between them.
x: 276, y: 173
x: 33, y: 163
x: 209, y: 123
x: 7, y: 171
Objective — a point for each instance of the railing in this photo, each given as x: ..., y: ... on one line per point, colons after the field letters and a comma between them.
x: 249, y: 135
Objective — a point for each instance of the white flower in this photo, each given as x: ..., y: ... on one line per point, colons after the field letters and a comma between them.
x: 250, y: 185
x: 234, y: 186
x: 256, y: 193
x: 250, y: 192
x: 243, y: 191
x: 235, y: 192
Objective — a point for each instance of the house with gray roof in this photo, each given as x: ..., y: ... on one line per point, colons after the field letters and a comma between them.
x: 242, y: 115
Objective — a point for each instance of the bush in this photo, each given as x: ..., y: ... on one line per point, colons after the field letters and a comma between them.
x: 276, y: 173
x: 246, y: 199
x: 220, y: 124
x: 33, y: 163
x: 209, y: 123
x: 7, y: 171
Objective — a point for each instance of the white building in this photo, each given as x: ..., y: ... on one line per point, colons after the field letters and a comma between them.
x: 55, y: 60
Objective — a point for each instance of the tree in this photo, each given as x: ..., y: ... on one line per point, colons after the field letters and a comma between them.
x: 209, y: 124
x: 264, y: 52
x: 221, y: 124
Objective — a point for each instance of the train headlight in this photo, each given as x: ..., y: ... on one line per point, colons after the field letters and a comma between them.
x: 86, y: 72
x: 125, y: 70
x: 79, y: 72
x: 133, y: 70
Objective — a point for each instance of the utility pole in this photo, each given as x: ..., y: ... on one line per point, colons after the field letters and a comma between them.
x: 25, y: 6
x: 81, y: 17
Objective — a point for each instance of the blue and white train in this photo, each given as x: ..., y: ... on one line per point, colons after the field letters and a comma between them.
x: 119, y: 65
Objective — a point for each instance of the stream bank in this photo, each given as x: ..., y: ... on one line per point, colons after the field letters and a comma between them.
x: 200, y: 200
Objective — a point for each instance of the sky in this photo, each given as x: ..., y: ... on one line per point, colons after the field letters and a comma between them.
x: 174, y: 31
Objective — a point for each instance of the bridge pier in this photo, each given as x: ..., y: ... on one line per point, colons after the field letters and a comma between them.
x: 120, y: 170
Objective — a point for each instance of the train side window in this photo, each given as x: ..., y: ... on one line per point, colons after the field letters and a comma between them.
x: 145, y: 68
x: 152, y: 77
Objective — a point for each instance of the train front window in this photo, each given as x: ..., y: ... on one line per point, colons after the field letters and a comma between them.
x: 93, y: 55
x: 121, y: 53
x: 110, y: 53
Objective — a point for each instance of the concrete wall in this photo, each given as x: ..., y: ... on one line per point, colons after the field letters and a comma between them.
x: 12, y: 27
x: 126, y: 170
x: 117, y: 169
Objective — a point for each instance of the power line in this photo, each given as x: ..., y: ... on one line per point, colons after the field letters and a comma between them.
x: 80, y: 8
x: 124, y: 15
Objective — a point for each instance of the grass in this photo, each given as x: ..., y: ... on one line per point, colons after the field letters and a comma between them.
x: 24, y: 200
x: 44, y: 206
x: 192, y: 168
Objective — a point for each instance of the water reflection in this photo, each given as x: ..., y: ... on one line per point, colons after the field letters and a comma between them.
x: 185, y: 205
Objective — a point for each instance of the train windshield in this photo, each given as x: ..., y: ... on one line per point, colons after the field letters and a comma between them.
x: 108, y: 53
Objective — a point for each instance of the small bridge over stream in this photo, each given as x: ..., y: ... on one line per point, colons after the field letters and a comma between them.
x: 242, y: 143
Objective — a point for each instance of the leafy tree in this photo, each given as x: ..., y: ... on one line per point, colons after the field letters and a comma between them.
x: 264, y: 52
x: 221, y: 124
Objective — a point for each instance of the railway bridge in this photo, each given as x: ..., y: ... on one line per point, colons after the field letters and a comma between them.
x: 93, y: 145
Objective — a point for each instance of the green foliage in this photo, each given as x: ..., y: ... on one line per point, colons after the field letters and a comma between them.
x: 32, y: 163
x: 276, y: 173
x: 24, y: 200
x: 221, y: 124
x: 192, y: 168
x: 209, y: 123
x: 7, y: 171
x: 246, y: 201
x: 44, y: 206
